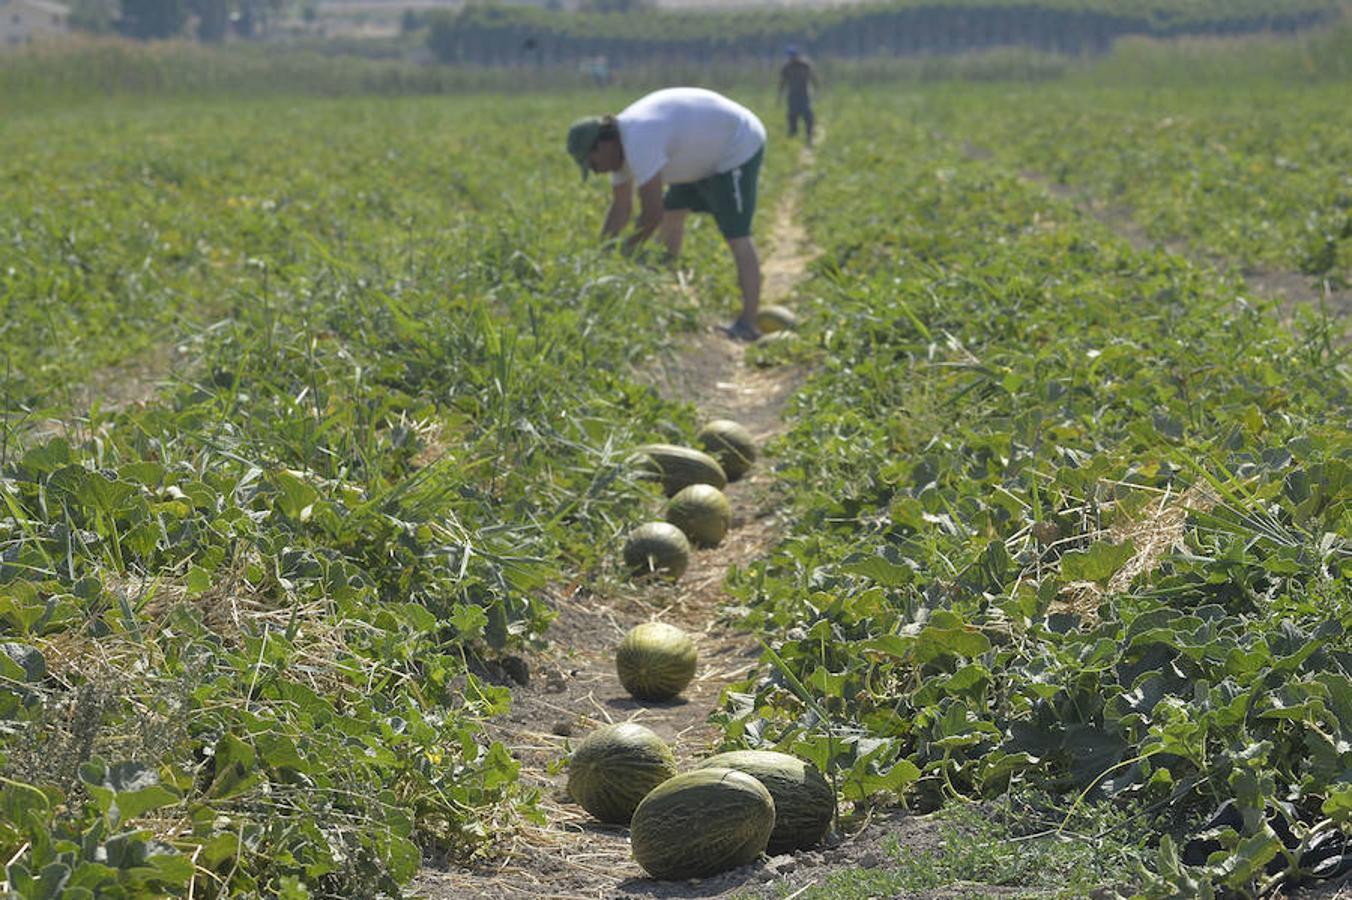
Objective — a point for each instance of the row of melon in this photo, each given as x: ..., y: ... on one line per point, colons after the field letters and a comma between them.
x: 698, y: 512
x: 724, y: 813
x: 656, y: 661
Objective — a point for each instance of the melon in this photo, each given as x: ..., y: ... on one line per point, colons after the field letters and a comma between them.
x: 655, y: 661
x: 775, y: 318
x: 729, y: 443
x: 678, y: 467
x: 658, y: 549
x: 804, y: 801
x: 701, y: 823
x: 615, y: 767
x: 702, y: 512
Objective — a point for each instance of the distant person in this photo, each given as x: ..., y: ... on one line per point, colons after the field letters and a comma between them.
x: 600, y: 71
x: 707, y: 150
x: 795, y: 77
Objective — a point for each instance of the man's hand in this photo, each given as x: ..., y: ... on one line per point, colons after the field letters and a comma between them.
x: 621, y: 205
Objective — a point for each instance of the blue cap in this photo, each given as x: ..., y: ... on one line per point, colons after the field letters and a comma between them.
x: 791, y: 50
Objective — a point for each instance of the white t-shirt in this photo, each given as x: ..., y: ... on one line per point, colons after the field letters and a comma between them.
x: 685, y: 134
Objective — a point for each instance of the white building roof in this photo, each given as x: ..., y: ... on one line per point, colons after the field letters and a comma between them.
x: 47, y: 6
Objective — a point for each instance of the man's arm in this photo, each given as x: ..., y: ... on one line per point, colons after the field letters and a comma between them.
x: 621, y: 205
x: 783, y: 82
x: 649, y: 213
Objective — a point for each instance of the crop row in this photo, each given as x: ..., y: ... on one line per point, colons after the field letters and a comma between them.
x: 248, y: 623
x: 1069, y: 518
x: 1263, y: 178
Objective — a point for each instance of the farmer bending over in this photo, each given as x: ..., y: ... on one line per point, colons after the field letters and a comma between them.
x: 706, y: 149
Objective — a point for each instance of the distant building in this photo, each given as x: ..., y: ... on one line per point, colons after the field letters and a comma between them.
x: 25, y: 21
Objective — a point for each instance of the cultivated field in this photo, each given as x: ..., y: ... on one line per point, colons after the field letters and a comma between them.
x: 316, y: 466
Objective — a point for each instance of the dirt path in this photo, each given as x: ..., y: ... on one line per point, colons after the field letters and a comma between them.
x: 576, y: 689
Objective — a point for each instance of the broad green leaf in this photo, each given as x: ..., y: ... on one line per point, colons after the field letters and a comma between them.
x: 199, y: 581
x: 98, y: 491
x: 875, y: 568
x: 125, y: 790
x: 1338, y: 805
x: 933, y: 642
x: 24, y: 806
x: 469, y: 620
x: 295, y: 497
x: 1097, y: 564
x: 235, y: 768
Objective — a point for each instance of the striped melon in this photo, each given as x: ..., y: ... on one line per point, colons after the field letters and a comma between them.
x: 804, y: 801
x: 702, y: 512
x: 678, y: 467
x: 655, y: 661
x: 657, y: 549
x: 615, y: 767
x: 775, y: 318
x: 729, y: 443
x: 701, y: 823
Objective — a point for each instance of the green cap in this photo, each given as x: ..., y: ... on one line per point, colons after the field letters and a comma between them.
x: 582, y: 136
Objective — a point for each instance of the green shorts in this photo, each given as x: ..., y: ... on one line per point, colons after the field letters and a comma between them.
x: 730, y: 196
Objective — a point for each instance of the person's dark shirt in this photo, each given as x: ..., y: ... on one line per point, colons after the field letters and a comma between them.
x: 796, y: 75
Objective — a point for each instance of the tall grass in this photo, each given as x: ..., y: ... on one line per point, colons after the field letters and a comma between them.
x: 1316, y: 57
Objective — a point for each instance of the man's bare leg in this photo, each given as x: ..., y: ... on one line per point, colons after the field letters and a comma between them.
x: 748, y: 277
x: 673, y: 231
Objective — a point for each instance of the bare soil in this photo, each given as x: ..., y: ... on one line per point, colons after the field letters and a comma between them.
x: 113, y: 388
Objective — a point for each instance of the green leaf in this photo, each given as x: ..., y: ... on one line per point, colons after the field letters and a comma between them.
x: 295, y: 497
x: 827, y: 683
x: 966, y: 678
x: 1248, y: 860
x: 897, y: 645
x: 1097, y: 564
x: 100, y: 492
x: 933, y: 642
x: 125, y: 790
x: 469, y: 621
x: 199, y: 580
x: 419, y: 617
x: 887, y: 574
x: 235, y: 768
x: 24, y: 806
x: 1338, y: 805
x: 278, y: 751
x: 219, y: 848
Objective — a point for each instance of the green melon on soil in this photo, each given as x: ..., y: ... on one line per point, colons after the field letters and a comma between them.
x: 701, y: 823
x: 729, y: 443
x: 655, y: 661
x: 804, y: 801
x: 657, y: 549
x: 702, y: 512
x: 678, y: 467
x: 775, y: 318
x: 615, y: 767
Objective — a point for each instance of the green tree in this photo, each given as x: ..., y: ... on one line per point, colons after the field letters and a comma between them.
x: 213, y: 19
x: 147, y: 19
x: 94, y: 16
x: 613, y: 6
